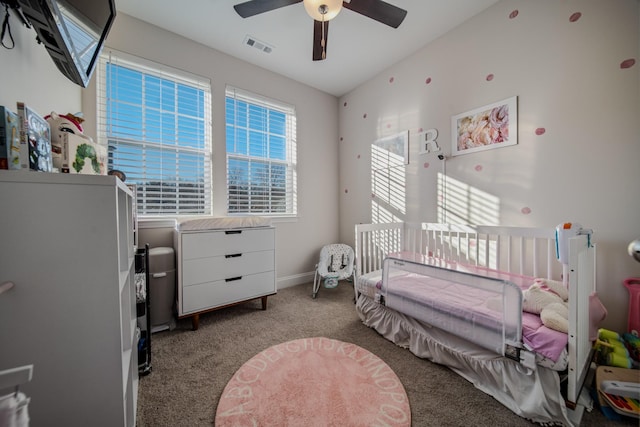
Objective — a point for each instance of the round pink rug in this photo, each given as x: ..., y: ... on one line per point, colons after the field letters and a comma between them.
x: 314, y: 382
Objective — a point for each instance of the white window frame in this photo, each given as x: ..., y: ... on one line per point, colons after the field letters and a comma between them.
x: 151, y: 176
x: 235, y: 203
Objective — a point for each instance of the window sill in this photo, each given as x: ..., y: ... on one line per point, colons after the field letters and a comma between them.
x: 170, y: 222
x: 145, y: 223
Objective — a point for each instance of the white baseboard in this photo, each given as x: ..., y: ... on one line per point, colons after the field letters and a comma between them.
x: 296, y: 279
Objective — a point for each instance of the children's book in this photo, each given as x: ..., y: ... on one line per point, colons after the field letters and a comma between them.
x: 35, y: 140
x: 9, y: 139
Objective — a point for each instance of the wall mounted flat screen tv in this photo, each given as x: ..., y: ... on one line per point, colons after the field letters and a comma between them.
x: 72, y: 31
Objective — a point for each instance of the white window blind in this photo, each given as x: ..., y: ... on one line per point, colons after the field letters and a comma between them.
x: 156, y: 122
x: 261, y: 155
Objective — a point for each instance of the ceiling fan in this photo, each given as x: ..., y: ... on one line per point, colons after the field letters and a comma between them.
x: 322, y: 11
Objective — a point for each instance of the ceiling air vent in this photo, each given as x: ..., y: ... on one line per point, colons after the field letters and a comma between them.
x: 253, y: 42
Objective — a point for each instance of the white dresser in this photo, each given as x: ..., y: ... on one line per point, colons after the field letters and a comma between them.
x: 219, y: 268
x: 68, y: 246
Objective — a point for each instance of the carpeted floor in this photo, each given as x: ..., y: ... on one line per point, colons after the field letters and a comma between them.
x: 191, y: 368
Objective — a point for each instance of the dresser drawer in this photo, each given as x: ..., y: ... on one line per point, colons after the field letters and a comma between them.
x: 222, y: 292
x: 201, y: 270
x: 224, y: 242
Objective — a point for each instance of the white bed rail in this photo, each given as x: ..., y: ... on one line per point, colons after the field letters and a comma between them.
x: 493, y: 321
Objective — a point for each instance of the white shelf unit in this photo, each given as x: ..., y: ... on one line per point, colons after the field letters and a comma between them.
x: 68, y: 246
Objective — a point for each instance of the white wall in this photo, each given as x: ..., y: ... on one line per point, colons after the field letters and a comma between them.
x: 568, y: 79
x: 29, y: 75
x: 36, y: 81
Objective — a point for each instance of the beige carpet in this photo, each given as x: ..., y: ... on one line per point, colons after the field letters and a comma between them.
x: 192, y: 368
x: 314, y: 382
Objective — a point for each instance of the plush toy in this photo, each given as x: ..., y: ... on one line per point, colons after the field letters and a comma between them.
x: 548, y: 298
x: 70, y: 123
x: 70, y: 154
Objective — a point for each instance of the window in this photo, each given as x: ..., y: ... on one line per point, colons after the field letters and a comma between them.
x: 261, y: 155
x: 156, y: 122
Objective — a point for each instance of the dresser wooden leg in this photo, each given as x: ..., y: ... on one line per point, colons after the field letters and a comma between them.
x: 264, y: 303
x: 195, y: 322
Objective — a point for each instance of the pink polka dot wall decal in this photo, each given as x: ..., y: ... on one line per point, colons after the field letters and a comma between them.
x: 341, y: 139
x: 420, y: 130
x: 574, y: 17
x: 513, y: 14
x: 489, y: 77
x: 540, y: 131
x: 525, y: 210
x: 388, y: 125
x: 628, y: 63
x: 346, y: 190
x: 373, y: 195
x: 478, y: 168
x: 390, y: 79
x: 364, y: 116
x: 358, y: 156
x: 426, y: 165
x: 428, y: 80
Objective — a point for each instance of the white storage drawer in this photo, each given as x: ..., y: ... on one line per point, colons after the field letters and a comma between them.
x: 201, y: 270
x: 225, y: 242
x: 217, y: 268
x: 227, y: 291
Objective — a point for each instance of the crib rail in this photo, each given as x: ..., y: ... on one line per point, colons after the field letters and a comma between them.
x: 516, y: 250
x: 582, y: 284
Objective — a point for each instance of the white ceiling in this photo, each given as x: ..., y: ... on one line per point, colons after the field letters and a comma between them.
x: 358, y: 47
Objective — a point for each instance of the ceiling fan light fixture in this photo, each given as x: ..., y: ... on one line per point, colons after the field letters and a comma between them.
x: 323, y: 10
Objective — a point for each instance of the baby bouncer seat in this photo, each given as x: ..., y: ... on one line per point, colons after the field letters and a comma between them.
x: 337, y: 262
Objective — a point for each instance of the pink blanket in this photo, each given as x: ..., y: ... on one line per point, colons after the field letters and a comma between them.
x: 539, y: 338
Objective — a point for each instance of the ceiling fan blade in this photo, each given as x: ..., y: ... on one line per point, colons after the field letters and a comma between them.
x: 379, y: 10
x: 319, y: 53
x: 255, y: 7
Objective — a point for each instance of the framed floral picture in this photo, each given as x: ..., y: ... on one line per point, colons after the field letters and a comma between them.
x: 491, y: 126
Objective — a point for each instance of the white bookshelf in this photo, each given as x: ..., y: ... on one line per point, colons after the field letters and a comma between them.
x: 68, y: 246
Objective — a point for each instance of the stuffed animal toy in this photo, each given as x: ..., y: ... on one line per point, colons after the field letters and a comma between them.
x: 548, y: 298
x: 70, y: 123
x: 70, y: 154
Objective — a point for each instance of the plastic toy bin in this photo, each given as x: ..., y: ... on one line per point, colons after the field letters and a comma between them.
x: 162, y: 288
x: 633, y: 286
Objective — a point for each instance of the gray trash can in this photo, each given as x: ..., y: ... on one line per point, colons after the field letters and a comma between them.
x: 162, y: 288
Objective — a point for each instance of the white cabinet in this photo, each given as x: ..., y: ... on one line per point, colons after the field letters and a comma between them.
x: 218, y: 268
x: 67, y: 245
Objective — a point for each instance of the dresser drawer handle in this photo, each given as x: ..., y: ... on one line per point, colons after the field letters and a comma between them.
x: 233, y: 279
x: 233, y: 255
x: 233, y: 232
x: 158, y: 275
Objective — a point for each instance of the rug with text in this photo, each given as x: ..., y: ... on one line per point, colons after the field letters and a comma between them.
x: 314, y: 382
